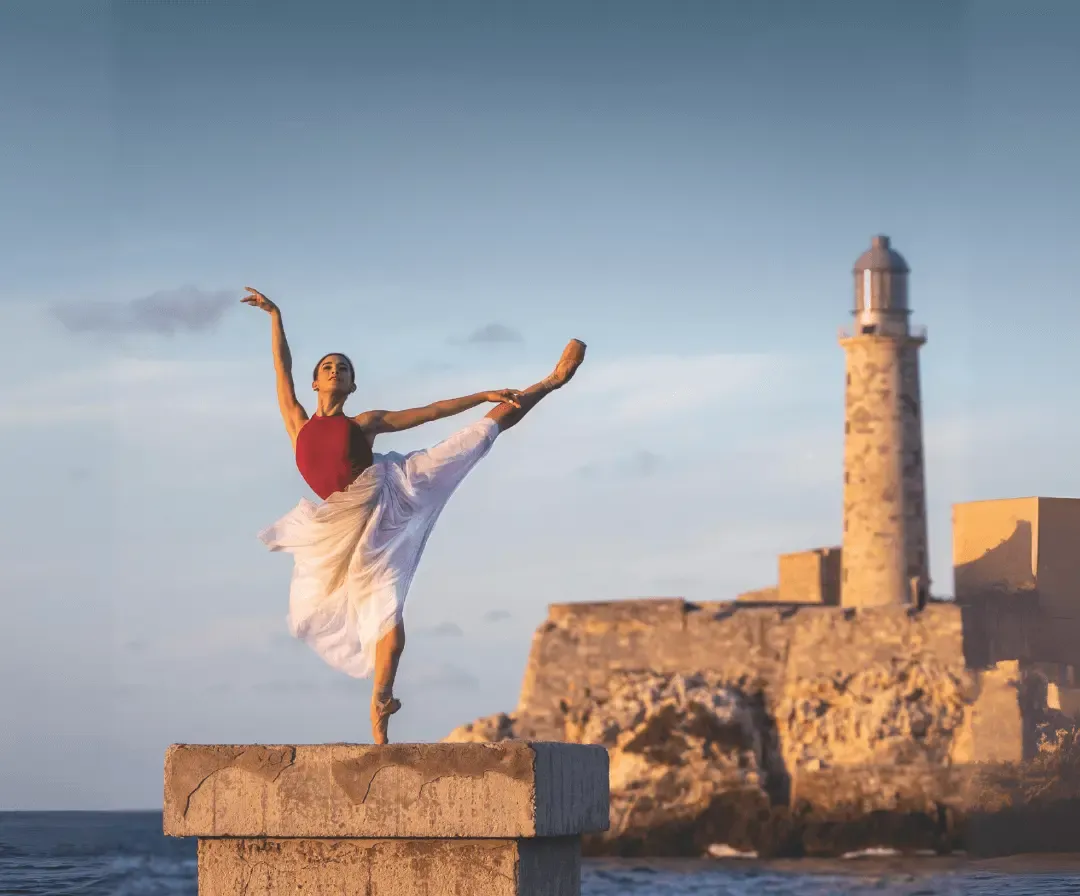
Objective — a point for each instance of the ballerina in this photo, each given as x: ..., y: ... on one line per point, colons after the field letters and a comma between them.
x: 355, y: 554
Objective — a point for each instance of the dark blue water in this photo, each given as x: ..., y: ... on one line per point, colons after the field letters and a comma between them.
x: 125, y: 854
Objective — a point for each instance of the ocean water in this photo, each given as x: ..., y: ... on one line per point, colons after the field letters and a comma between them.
x: 125, y: 854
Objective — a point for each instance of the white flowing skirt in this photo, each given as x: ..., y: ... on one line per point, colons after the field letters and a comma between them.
x: 355, y: 554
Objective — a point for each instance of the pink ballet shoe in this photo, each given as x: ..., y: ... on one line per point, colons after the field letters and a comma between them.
x: 571, y: 359
x: 380, y: 718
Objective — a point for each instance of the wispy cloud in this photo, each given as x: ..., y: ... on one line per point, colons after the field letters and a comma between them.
x: 225, y: 636
x: 637, y: 389
x: 446, y: 677
x: 164, y: 313
x: 490, y: 334
x: 284, y: 686
x: 725, y: 558
x: 636, y: 465
x: 443, y: 630
x: 627, y: 416
x: 497, y: 616
x: 123, y: 388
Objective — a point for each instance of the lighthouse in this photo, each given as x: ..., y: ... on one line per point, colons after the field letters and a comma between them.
x: 884, y: 558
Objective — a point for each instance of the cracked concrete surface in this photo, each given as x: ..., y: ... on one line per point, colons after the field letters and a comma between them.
x: 203, y: 763
x: 402, y: 790
x: 549, y: 866
x: 356, y: 775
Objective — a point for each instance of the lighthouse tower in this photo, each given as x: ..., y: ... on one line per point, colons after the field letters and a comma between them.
x: 884, y: 555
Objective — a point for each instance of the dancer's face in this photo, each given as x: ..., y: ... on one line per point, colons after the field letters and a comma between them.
x: 334, y: 375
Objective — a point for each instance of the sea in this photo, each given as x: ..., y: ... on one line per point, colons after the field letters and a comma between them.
x: 125, y: 854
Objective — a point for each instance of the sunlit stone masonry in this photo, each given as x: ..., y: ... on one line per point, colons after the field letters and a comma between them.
x: 500, y: 819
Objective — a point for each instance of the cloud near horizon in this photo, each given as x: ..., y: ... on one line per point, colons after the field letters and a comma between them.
x: 121, y: 387
x: 162, y: 313
x: 225, y: 635
x: 446, y: 676
x: 490, y: 334
x: 497, y: 615
x: 443, y: 630
x: 637, y: 465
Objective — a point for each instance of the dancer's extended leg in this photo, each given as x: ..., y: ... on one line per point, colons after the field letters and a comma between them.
x: 435, y: 466
x: 506, y: 415
x: 383, y: 703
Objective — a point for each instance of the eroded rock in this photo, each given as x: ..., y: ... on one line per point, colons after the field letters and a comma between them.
x: 687, y: 760
x: 904, y: 712
x: 490, y: 729
x: 850, y: 760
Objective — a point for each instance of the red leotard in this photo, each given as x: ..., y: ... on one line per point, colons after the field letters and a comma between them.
x: 331, y: 452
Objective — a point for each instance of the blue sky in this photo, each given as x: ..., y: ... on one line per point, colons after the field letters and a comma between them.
x: 683, y: 185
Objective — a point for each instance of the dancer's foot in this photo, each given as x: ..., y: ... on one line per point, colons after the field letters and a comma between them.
x: 571, y: 359
x: 507, y: 415
x: 380, y: 718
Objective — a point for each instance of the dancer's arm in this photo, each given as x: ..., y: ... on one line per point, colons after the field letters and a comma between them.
x: 292, y: 412
x: 375, y: 422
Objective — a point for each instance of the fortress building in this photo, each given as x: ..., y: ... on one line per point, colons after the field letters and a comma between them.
x: 870, y: 699
x: 884, y: 558
x: 1016, y: 569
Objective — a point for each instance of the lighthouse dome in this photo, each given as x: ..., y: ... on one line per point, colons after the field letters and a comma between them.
x: 881, y: 294
x: 881, y: 256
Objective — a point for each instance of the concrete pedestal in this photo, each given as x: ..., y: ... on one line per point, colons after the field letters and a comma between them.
x: 503, y: 819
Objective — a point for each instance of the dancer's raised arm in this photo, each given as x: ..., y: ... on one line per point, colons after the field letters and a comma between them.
x: 292, y: 412
x: 375, y: 422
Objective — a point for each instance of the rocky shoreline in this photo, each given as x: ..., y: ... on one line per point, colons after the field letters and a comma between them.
x: 890, y: 754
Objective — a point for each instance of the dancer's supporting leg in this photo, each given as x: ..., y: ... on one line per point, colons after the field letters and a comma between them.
x: 388, y: 649
x: 383, y: 703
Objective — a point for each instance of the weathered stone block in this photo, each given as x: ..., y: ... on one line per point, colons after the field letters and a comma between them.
x: 648, y: 615
x: 1024, y: 547
x: 997, y: 724
x: 760, y: 596
x: 811, y: 577
x: 270, y: 867
x: 994, y: 547
x: 502, y: 791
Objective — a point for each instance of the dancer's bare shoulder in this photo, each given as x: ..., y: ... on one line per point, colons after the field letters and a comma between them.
x: 373, y: 423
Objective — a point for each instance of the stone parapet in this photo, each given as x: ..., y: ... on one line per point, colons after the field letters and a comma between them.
x: 402, y: 819
x: 810, y: 577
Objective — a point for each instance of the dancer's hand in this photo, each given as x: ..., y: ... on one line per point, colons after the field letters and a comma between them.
x: 258, y: 300
x: 509, y: 396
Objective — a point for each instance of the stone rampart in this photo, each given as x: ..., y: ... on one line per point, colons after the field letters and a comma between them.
x: 767, y: 652
x: 795, y: 729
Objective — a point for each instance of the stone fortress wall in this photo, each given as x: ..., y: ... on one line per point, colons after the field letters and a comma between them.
x: 847, y: 713
x: 767, y: 652
x: 1017, y: 598
x: 1016, y: 568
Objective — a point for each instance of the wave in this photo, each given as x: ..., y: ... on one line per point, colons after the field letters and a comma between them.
x: 117, y: 876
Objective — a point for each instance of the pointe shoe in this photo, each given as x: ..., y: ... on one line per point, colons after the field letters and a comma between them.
x: 571, y: 359
x: 380, y: 718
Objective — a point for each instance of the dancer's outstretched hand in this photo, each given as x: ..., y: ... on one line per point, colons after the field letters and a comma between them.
x: 258, y: 300
x: 510, y: 396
